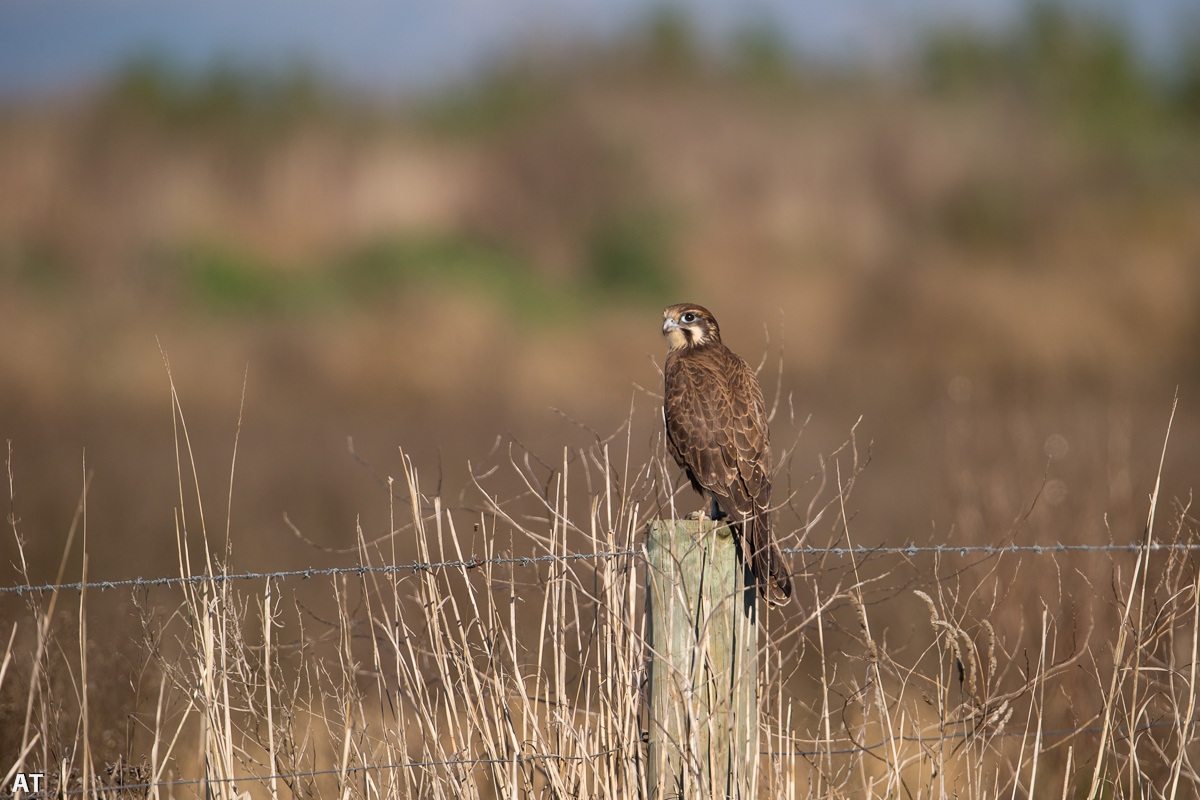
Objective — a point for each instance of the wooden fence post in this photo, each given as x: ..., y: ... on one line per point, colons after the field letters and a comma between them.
x: 701, y: 610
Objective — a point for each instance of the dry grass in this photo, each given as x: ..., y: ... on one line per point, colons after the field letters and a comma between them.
x: 517, y: 667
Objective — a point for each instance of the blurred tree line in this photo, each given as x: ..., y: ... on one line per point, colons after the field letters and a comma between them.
x: 617, y: 236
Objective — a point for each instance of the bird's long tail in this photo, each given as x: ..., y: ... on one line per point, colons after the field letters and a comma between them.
x: 766, y: 562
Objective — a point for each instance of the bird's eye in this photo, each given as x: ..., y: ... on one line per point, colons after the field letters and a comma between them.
x: 688, y: 317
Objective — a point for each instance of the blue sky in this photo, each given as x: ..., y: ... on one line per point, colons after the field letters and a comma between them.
x: 61, y: 45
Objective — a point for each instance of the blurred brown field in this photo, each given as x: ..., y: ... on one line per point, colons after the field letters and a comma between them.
x: 997, y: 274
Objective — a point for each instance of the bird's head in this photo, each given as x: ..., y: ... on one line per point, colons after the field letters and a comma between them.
x: 689, y: 325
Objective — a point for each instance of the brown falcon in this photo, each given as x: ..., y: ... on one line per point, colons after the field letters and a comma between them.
x: 717, y: 431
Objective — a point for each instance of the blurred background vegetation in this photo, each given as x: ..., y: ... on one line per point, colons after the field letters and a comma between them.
x: 1014, y: 212
x: 988, y: 249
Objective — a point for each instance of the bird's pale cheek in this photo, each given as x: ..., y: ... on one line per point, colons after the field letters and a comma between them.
x: 676, y: 338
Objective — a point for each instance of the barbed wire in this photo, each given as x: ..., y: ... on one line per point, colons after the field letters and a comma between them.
x: 471, y: 563
x: 416, y: 566
x: 475, y: 762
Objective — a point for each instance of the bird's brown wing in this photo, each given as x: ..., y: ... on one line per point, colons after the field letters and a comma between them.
x: 717, y: 431
x: 749, y: 437
x: 696, y: 411
x: 751, y: 494
x: 717, y: 427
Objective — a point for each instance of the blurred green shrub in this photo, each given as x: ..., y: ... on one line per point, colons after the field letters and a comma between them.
x: 761, y: 55
x: 629, y: 259
x: 961, y: 60
x: 406, y: 263
x: 630, y: 253
x: 504, y: 97
x: 1084, y: 67
x: 670, y: 40
x: 38, y: 267
x: 987, y: 213
x: 1185, y: 88
x: 159, y: 89
x: 222, y: 280
x: 1085, y: 64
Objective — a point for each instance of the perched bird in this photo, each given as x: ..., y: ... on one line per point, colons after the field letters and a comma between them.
x: 717, y: 431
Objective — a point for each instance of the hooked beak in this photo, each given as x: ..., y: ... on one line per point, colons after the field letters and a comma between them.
x: 670, y: 325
